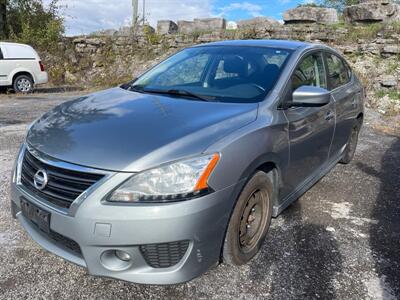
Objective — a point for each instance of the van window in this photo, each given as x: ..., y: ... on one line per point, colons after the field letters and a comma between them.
x: 18, y: 51
x: 1, y: 54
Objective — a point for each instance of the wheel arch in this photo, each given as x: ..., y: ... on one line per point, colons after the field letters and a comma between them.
x: 273, y: 172
x: 360, y: 117
x: 266, y: 163
x: 269, y: 164
x: 19, y: 73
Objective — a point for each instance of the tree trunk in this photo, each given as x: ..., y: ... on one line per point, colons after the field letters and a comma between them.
x: 3, y: 23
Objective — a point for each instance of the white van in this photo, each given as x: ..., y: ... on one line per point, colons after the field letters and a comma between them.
x: 20, y: 67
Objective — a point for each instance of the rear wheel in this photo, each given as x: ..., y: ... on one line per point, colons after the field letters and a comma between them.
x: 351, y: 146
x: 250, y: 221
x: 23, y: 84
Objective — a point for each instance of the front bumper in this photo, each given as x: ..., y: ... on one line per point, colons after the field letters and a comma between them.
x: 100, y: 228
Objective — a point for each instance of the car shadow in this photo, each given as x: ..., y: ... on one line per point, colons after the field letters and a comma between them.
x: 385, y: 235
x: 46, y: 90
x: 302, y: 258
x: 55, y: 90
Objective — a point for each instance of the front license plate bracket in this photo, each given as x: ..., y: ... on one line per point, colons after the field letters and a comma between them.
x: 36, y: 215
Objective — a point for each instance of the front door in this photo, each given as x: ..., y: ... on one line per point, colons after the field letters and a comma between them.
x: 310, y: 129
x: 346, y: 102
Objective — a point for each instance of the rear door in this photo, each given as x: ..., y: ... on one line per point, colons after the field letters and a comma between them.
x: 345, y: 95
x: 310, y: 128
x: 3, y: 68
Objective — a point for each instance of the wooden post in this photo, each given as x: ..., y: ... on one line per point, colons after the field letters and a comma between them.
x: 135, y: 6
x: 144, y: 12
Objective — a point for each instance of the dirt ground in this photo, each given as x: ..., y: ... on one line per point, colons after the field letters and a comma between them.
x: 341, y: 240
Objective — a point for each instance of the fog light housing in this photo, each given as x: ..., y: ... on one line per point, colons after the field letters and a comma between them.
x: 116, y: 260
x: 122, y: 255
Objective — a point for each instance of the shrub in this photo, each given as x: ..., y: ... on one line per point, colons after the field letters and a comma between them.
x: 31, y: 22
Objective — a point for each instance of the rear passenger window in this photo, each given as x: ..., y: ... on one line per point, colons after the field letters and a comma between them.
x: 339, y: 73
x: 310, y: 72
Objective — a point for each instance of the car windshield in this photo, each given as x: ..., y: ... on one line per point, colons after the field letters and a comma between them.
x: 216, y: 73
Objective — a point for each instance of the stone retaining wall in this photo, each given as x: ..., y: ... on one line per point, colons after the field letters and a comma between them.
x: 110, y: 57
x: 88, y: 59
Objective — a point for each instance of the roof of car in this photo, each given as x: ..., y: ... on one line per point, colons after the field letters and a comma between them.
x: 9, y: 43
x: 285, y: 44
x: 18, y: 51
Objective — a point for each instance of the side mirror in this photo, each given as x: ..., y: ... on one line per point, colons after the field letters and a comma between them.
x: 310, y: 96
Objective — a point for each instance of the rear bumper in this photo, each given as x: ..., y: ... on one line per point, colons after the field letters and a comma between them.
x: 100, y: 229
x: 41, y: 78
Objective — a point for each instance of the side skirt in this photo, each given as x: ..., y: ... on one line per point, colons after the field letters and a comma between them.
x: 278, y: 209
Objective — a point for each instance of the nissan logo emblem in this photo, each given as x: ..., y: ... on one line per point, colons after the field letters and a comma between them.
x: 40, y: 179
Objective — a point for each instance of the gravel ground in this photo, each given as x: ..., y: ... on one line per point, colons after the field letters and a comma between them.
x: 341, y: 240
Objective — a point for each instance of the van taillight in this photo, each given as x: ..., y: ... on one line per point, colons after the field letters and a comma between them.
x: 41, y: 66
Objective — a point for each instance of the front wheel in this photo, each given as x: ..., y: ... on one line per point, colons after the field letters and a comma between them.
x: 23, y: 84
x: 250, y: 221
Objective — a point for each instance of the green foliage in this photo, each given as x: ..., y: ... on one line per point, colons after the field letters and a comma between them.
x: 151, y: 37
x: 311, y: 4
x: 396, y: 26
x: 32, y: 22
x: 393, y: 94
x: 3, y: 27
x: 105, y: 81
x: 56, y: 73
x: 248, y: 34
x: 366, y: 32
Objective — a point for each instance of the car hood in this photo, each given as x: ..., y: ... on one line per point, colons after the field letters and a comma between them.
x: 119, y: 130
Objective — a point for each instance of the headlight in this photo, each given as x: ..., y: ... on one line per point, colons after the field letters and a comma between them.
x: 172, y: 182
x: 16, y: 175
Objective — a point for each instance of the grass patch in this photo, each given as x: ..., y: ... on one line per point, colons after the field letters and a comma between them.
x: 366, y: 32
x: 392, y: 94
x: 396, y: 26
x: 393, y: 66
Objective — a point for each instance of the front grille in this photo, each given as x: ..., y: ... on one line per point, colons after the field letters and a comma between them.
x: 63, y: 185
x: 164, y: 255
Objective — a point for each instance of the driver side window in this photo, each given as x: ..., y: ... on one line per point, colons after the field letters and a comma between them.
x: 310, y: 72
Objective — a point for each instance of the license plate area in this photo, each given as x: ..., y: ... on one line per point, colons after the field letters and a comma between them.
x: 36, y: 215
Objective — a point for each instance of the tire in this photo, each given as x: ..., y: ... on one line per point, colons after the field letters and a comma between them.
x: 254, y: 209
x: 23, y: 84
x: 351, y: 146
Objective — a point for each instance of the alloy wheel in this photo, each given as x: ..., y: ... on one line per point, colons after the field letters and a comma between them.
x: 24, y: 85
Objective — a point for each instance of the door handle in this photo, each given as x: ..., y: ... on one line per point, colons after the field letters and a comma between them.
x: 329, y: 115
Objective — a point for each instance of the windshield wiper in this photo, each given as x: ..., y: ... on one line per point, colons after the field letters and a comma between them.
x: 178, y: 92
x: 136, y: 88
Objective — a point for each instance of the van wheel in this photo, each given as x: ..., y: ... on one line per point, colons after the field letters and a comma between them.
x: 351, y: 146
x: 250, y: 221
x: 23, y: 84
